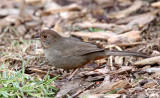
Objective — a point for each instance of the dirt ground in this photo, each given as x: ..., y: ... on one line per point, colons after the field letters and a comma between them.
x: 130, y: 25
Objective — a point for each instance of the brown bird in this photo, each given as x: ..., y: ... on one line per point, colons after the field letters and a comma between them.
x: 70, y: 53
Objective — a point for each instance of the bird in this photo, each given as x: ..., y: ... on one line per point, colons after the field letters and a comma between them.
x: 71, y: 53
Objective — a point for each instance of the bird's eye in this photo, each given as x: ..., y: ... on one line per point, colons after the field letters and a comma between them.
x: 45, y: 36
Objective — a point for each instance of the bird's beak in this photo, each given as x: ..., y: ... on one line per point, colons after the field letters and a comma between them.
x: 37, y: 36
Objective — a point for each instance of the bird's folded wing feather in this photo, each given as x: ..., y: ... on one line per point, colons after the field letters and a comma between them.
x: 81, y: 48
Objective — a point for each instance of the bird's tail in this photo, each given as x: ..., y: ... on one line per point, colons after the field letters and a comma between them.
x: 125, y: 53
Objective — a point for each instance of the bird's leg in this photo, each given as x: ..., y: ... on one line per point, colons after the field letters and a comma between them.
x: 111, y: 57
x: 72, y: 74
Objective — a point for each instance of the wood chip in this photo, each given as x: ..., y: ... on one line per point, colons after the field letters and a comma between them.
x: 150, y: 84
x: 122, y: 70
x: 130, y: 44
x: 73, y: 86
x: 107, y: 87
x: 144, y: 62
x: 119, y: 60
x: 95, y: 72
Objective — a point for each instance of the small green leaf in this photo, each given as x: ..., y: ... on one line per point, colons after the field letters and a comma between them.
x: 95, y: 30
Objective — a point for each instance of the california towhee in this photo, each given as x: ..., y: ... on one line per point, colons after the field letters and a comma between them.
x: 70, y: 53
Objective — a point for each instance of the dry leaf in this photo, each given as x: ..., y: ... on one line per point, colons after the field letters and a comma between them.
x: 52, y: 20
x: 105, y: 3
x: 58, y: 27
x: 130, y: 18
x: 152, y: 70
x: 155, y: 53
x: 99, y: 25
x: 34, y: 2
x: 10, y: 19
x: 141, y: 20
x: 156, y: 4
x: 9, y: 11
x: 72, y: 7
x: 71, y: 15
x: 21, y: 30
x: 136, y: 5
x: 94, y: 35
x: 33, y: 23
x: 103, y: 96
x: 128, y: 37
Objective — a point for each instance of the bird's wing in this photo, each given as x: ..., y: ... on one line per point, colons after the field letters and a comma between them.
x: 81, y: 48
